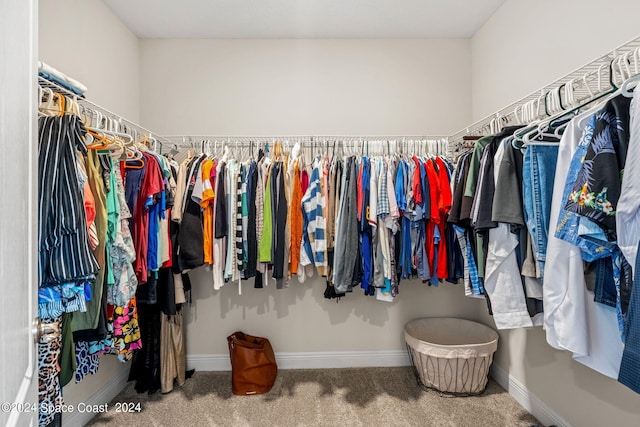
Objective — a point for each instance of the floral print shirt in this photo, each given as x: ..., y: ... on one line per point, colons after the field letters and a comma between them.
x: 596, y: 190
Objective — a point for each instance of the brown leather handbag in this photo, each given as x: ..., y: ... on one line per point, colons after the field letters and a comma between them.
x: 253, y: 364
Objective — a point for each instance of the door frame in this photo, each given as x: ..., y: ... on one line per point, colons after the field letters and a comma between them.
x: 19, y: 207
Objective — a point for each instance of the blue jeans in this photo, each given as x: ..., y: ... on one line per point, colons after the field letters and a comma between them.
x: 538, y: 175
x: 605, y: 289
x: 477, y: 285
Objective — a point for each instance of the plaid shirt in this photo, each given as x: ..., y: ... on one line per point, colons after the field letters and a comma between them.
x: 383, y: 195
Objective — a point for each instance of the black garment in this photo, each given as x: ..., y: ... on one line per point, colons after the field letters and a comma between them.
x: 67, y: 358
x: 63, y: 241
x: 330, y: 290
x: 398, y: 251
x: 280, y: 218
x: 455, y: 261
x: 426, y: 188
x: 487, y: 189
x: 252, y: 240
x: 507, y: 201
x: 191, y: 235
x: 105, y: 166
x: 603, y: 167
x: 258, y: 283
x: 392, y: 257
x: 221, y: 225
x: 365, y: 230
x: 238, y: 237
x: 273, y: 183
x: 100, y: 332
x: 166, y: 292
x: 145, y: 367
x: 169, y: 197
x: 147, y: 293
x: 174, y: 231
x: 455, y: 213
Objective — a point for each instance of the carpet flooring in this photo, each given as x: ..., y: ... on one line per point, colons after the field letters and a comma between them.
x: 368, y: 397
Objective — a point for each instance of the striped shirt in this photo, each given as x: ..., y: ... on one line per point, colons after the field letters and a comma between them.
x: 313, y: 204
x: 63, y: 240
x: 240, y: 171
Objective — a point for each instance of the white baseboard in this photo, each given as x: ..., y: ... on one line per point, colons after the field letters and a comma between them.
x: 528, y: 400
x: 309, y: 360
x: 102, y: 396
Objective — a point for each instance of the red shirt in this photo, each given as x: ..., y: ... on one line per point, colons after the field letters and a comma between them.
x: 152, y: 184
x: 444, y: 206
x: 434, y: 191
x: 416, y: 185
x: 304, y: 181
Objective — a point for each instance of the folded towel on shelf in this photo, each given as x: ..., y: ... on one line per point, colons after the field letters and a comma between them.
x: 58, y: 77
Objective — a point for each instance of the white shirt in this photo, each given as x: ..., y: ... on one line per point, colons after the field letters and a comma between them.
x: 572, y: 319
x: 628, y: 209
x: 502, y: 275
x: 563, y: 282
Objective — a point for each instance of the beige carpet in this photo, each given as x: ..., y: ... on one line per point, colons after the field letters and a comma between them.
x: 368, y: 397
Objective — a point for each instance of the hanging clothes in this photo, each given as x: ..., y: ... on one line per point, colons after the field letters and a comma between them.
x: 296, y: 219
x: 346, y: 248
x: 314, y: 204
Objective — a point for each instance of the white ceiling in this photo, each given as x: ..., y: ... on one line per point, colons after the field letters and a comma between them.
x: 304, y: 18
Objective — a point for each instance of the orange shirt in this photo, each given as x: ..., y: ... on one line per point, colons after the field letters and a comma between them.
x: 207, y: 215
x: 296, y: 220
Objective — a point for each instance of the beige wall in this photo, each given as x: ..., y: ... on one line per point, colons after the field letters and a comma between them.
x: 528, y: 43
x: 300, y: 319
x: 513, y: 55
x: 85, y: 40
x: 306, y: 87
x: 266, y: 87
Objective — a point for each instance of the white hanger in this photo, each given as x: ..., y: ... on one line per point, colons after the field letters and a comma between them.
x: 295, y: 152
x: 567, y: 89
x: 600, y: 69
x: 586, y: 83
x: 624, y: 61
x: 40, y: 105
x: 49, y: 104
x: 629, y: 84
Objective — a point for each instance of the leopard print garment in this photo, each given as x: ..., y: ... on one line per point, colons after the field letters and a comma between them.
x: 49, y: 390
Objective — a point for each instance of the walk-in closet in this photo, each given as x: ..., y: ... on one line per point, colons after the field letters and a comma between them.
x: 320, y: 213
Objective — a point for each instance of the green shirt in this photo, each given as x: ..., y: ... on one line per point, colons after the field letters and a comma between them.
x: 474, y: 166
x: 266, y: 241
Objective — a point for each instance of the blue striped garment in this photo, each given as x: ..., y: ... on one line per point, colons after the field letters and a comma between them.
x: 313, y: 204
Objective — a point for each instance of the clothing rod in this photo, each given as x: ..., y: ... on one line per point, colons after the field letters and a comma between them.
x: 44, y: 83
x: 602, y: 63
x: 179, y: 138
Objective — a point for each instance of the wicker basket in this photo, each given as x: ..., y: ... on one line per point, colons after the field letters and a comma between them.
x: 451, y: 355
